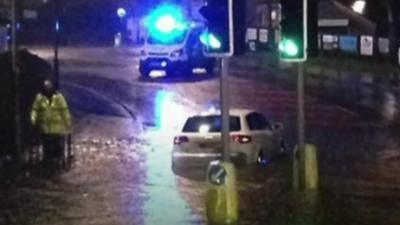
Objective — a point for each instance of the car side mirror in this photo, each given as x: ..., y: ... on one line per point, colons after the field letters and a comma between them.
x: 277, y: 127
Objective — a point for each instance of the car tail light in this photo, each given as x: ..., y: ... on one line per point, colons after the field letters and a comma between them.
x: 180, y: 140
x: 241, y: 139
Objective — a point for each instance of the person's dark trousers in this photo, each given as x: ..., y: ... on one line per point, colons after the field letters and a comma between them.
x: 53, y: 150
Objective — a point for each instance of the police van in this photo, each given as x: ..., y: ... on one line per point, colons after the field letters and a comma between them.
x: 182, y: 56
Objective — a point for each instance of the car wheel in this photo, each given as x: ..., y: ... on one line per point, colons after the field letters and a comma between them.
x: 187, y: 70
x: 262, y: 158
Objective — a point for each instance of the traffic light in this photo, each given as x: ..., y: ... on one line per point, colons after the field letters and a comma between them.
x: 225, y: 27
x: 293, y: 45
x: 298, y: 30
x: 167, y: 23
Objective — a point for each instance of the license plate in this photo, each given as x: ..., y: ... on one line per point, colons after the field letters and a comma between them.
x: 155, y: 64
x: 209, y: 145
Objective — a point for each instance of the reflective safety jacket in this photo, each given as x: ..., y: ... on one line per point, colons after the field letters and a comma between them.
x: 51, y: 115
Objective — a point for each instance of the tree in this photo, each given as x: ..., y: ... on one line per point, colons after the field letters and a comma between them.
x: 394, y: 24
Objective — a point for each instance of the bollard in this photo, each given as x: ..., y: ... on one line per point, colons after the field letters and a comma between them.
x: 222, y: 196
x: 311, y: 169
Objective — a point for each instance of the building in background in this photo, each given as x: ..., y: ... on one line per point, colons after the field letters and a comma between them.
x: 336, y: 18
x: 264, y: 16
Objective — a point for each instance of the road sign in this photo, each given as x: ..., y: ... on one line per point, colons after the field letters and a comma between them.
x: 263, y: 36
x: 367, y: 45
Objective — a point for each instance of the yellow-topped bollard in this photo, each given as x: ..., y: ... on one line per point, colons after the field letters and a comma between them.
x: 311, y: 168
x: 222, y: 196
x: 306, y: 173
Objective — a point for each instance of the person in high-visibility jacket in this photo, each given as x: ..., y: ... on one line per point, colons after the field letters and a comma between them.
x: 51, y: 116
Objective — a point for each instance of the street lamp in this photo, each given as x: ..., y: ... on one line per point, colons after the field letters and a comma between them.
x: 359, y: 6
x: 121, y: 12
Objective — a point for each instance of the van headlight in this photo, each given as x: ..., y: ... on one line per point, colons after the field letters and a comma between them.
x: 177, y: 53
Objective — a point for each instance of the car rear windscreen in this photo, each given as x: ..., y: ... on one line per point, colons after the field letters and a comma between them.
x: 213, y: 123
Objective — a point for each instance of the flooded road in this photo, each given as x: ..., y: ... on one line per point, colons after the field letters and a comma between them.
x: 124, y: 128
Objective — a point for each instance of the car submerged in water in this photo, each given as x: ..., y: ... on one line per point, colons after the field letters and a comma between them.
x: 253, y: 139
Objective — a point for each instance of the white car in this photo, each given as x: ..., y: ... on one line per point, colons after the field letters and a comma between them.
x: 254, y: 139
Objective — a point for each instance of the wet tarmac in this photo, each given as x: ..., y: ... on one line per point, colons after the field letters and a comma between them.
x: 123, y: 138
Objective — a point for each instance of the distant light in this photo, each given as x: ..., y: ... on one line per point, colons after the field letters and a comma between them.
x: 121, y: 12
x: 359, y: 6
x: 274, y: 15
x: 57, y: 26
x: 210, y: 40
x: 118, y: 39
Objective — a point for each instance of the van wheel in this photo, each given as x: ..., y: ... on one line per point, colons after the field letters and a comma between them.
x: 210, y: 70
x: 187, y: 71
x: 144, y: 73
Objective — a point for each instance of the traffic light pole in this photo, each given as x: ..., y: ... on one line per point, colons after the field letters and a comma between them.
x: 56, y: 44
x: 300, y: 156
x: 224, y: 94
x: 17, y: 81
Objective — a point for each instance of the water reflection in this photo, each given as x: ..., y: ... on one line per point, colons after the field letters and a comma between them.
x: 169, y: 115
x: 164, y: 204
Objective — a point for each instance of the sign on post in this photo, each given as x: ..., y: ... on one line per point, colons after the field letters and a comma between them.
x: 251, y: 38
x: 384, y: 46
x: 251, y: 34
x: 367, y: 45
x: 330, y: 42
x: 349, y: 44
x: 263, y: 36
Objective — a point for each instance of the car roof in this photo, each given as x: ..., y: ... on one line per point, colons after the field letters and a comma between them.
x: 241, y: 111
x: 232, y: 112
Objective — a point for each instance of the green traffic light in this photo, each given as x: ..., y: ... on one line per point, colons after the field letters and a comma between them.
x: 210, y: 40
x: 289, y: 48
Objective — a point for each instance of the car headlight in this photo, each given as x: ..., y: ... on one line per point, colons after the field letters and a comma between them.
x: 177, y: 53
x: 143, y: 53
